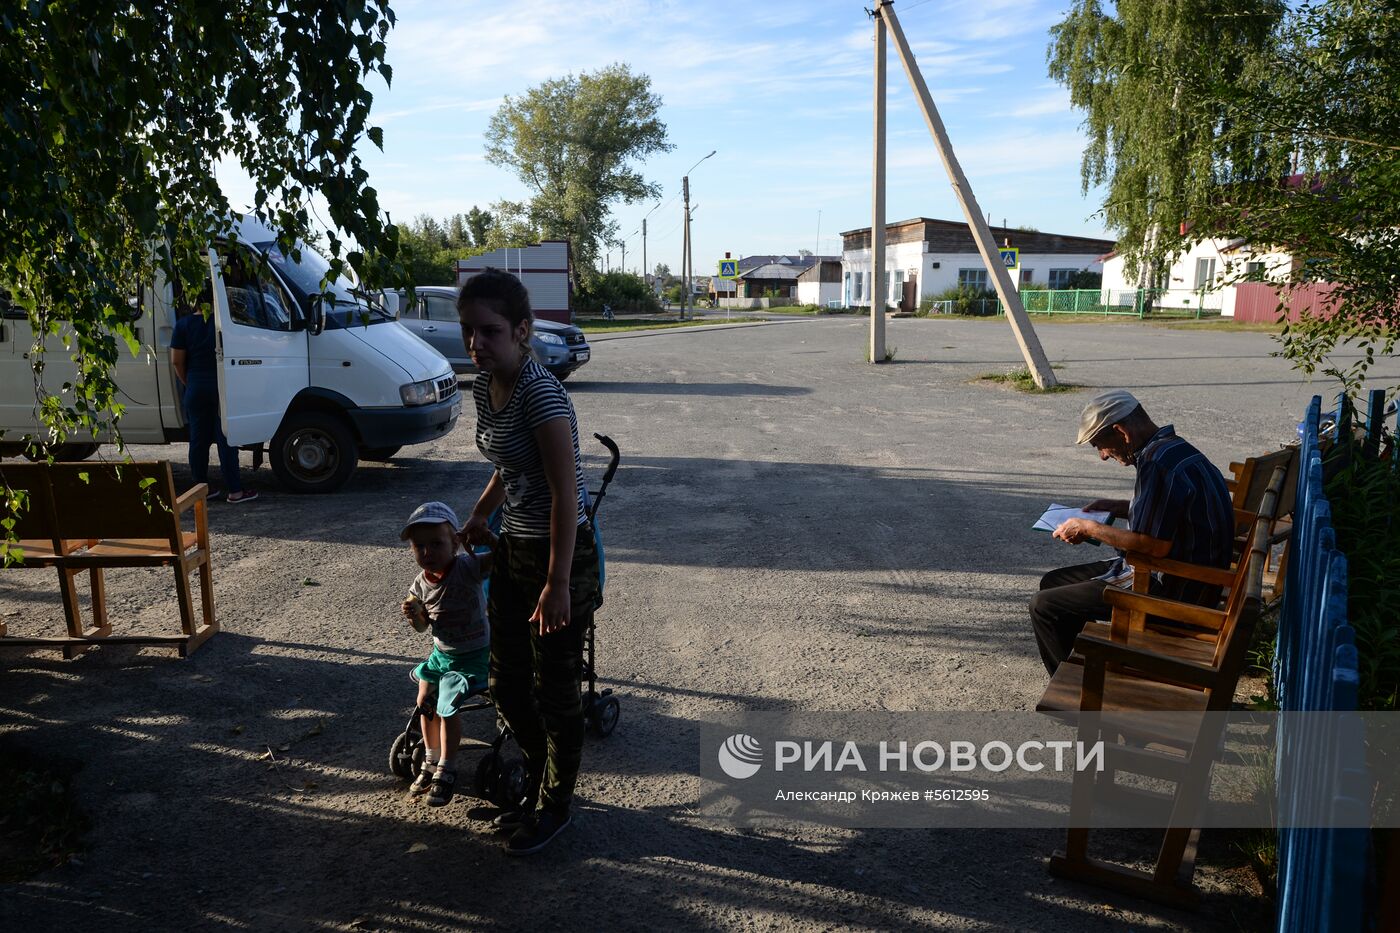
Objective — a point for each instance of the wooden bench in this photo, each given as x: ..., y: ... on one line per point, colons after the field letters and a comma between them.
x: 87, y: 517
x: 1129, y: 667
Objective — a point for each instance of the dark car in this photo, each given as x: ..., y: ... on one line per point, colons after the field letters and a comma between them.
x: 560, y: 348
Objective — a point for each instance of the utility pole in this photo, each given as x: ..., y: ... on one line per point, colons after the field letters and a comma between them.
x: 623, y: 266
x: 877, y: 224
x: 1031, y: 349
x: 646, y: 270
x: 685, y: 246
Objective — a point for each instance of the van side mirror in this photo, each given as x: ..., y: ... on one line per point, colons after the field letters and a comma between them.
x: 318, y: 316
x: 391, y: 303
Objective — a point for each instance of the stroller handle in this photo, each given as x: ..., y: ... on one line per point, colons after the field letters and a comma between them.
x: 616, y: 455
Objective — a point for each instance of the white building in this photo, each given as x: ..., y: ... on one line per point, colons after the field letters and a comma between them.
x: 820, y: 284
x: 542, y: 268
x: 1196, y: 278
x: 925, y: 257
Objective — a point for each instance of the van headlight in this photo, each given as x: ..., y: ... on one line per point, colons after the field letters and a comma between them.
x: 550, y: 338
x: 419, y: 393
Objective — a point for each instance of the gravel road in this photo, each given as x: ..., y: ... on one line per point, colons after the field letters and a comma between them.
x: 791, y: 528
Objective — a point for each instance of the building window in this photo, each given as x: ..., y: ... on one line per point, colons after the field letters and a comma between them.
x: 972, y: 278
x: 859, y: 292
x: 1060, y: 278
x: 897, y: 286
x: 1027, y: 275
x: 1205, y: 272
x: 1254, y: 270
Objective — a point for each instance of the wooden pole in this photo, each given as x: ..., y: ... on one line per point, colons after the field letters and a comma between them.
x: 877, y: 224
x: 1031, y: 349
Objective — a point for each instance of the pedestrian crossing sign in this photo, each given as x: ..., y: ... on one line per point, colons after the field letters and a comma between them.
x: 1011, y: 257
x: 728, y: 268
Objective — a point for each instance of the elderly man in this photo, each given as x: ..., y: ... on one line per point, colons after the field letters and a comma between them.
x: 1180, y: 509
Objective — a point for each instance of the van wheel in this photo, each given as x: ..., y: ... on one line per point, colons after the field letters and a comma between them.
x: 313, y: 451
x: 61, y: 452
x: 378, y: 454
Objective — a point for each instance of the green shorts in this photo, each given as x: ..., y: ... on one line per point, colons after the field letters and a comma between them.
x: 471, y: 665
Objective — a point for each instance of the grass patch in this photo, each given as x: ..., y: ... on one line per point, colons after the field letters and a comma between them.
x: 1225, y: 324
x: 815, y: 309
x: 41, y: 826
x: 600, y: 326
x: 1022, y: 380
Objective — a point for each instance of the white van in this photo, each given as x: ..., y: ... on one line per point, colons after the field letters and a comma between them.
x: 316, y: 384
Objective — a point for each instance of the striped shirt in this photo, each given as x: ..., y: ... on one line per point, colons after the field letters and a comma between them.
x: 507, y: 439
x: 1181, y: 497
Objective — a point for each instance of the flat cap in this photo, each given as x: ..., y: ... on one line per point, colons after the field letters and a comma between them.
x: 1104, y: 410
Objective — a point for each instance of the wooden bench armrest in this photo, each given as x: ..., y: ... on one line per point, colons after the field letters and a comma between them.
x: 1177, y: 568
x: 1164, y: 608
x: 187, y: 499
x: 1098, y: 651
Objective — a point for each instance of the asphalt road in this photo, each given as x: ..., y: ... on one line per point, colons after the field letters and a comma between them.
x: 791, y: 528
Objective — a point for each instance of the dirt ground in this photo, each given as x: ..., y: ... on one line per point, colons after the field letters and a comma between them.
x: 790, y: 529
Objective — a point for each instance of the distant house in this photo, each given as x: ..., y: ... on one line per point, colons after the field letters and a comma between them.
x: 770, y: 280
x: 1196, y: 279
x: 722, y: 288
x: 925, y: 256
x: 820, y: 283
x: 753, y: 262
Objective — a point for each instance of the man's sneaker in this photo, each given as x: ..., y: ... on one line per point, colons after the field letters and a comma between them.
x: 511, y: 819
x: 440, y: 790
x: 536, y: 832
x: 424, y: 780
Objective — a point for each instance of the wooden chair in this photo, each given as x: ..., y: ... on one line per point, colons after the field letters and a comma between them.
x: 116, y: 515
x: 1128, y: 669
x: 40, y: 545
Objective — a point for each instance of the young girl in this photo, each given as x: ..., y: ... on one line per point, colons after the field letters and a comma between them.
x: 544, y: 585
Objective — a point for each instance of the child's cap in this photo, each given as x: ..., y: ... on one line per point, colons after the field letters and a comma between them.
x: 430, y: 513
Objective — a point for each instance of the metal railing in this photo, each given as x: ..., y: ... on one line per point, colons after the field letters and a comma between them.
x: 1139, y: 303
x: 1322, y: 871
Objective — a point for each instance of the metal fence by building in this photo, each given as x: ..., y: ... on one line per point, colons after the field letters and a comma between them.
x: 1138, y: 303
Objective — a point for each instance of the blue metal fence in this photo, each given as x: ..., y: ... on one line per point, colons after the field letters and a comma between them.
x: 1322, y: 876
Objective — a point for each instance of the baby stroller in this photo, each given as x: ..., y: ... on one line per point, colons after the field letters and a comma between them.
x: 499, y: 778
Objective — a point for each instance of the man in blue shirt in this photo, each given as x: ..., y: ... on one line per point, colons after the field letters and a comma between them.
x: 1180, y: 509
x: 196, y: 366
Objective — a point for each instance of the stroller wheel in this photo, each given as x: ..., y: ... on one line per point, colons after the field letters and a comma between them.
x: 603, y: 716
x: 405, y: 756
x: 510, y: 787
x: 487, y: 776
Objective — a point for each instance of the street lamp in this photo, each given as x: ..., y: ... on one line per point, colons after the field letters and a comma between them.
x: 687, y: 260
x: 645, y: 271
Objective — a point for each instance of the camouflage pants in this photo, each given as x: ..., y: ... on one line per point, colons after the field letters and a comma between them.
x: 534, y: 677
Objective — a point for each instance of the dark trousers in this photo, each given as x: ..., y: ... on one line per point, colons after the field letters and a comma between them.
x: 534, y: 677
x: 201, y: 400
x: 1068, y: 599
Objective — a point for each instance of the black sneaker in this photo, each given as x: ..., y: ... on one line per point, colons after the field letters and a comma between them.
x: 536, y: 832
x: 440, y: 790
x: 511, y: 819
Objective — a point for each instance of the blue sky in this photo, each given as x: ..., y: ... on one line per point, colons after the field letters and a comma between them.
x: 781, y: 90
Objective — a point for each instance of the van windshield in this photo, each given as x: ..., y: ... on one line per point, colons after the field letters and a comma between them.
x: 305, y: 277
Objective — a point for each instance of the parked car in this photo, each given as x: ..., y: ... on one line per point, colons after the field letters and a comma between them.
x: 560, y: 348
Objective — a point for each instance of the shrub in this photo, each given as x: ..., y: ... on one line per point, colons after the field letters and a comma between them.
x: 969, y: 300
x: 622, y: 291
